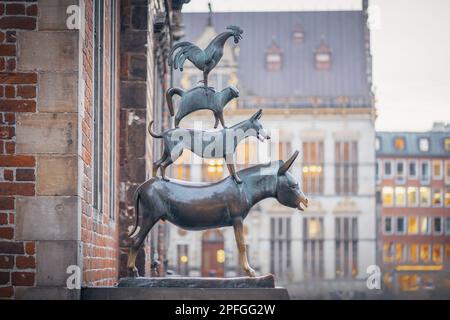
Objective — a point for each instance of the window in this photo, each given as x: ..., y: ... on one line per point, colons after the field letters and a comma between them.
x: 388, y: 249
x: 399, y: 252
x: 425, y: 171
x: 388, y: 196
x: 437, y: 169
x: 437, y: 253
x: 447, y: 144
x: 447, y: 225
x: 400, y: 197
x: 413, y: 225
x: 400, y: 225
x: 377, y: 144
x: 413, y: 253
x: 183, y: 259
x: 400, y: 172
x: 313, y: 254
x: 346, y: 232
x: 182, y: 167
x: 412, y: 197
x: 399, y: 143
x: 388, y: 225
x: 247, y: 154
x: 424, y: 252
x: 98, y: 79
x: 437, y: 198
x: 280, y: 245
x: 424, y: 144
x: 447, y: 171
x: 424, y: 196
x: 346, y: 167
x: 437, y: 225
x: 298, y: 35
x: 274, y: 58
x: 447, y: 197
x: 412, y: 169
x: 377, y: 171
x: 213, y: 169
x: 387, y: 169
x: 313, y: 167
x: 424, y: 225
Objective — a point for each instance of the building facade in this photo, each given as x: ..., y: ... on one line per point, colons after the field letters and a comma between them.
x: 413, y: 181
x: 310, y: 72
x: 78, y: 82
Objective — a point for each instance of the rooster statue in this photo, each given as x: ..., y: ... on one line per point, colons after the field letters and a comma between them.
x: 207, y: 59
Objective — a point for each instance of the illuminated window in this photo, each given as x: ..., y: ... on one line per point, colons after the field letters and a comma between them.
x: 408, y: 283
x: 413, y: 256
x: 388, y: 249
x: 437, y: 225
x: 437, y: 198
x: 313, y: 245
x: 181, y: 169
x: 437, y: 253
x: 323, y: 57
x: 400, y: 198
x: 387, y: 168
x: 412, y: 169
x: 425, y: 171
x: 399, y: 252
x: 447, y: 144
x: 400, y: 225
x: 424, y: 252
x: 314, y: 228
x: 247, y: 154
x: 388, y: 225
x: 213, y: 169
x: 424, y: 225
x: 183, y: 259
x: 273, y: 58
x: 447, y: 171
x: 388, y: 196
x: 399, y: 143
x: 447, y: 252
x: 313, y: 167
x: 424, y: 144
x: 437, y: 169
x: 413, y: 225
x: 447, y: 197
x: 425, y: 194
x: 412, y: 197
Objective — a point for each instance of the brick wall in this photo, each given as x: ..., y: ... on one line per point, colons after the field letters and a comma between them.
x: 17, y: 172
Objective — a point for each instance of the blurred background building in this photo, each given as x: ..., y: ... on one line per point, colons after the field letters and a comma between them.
x: 413, y: 180
x: 311, y: 74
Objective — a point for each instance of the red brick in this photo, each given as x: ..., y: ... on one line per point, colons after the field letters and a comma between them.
x: 6, y: 233
x: 18, y: 105
x: 24, y: 23
x: 3, y: 218
x: 2, y: 64
x: 10, y: 147
x: 4, y: 278
x: 22, y: 189
x: 18, y: 78
x: 8, y: 175
x: 11, y: 218
x: 32, y: 10
x: 15, y: 9
x: 11, y: 64
x: 6, y: 292
x: 23, y: 262
x: 25, y: 175
x: 26, y: 92
x: 2, y: 8
x: 6, y: 203
x: 2, y: 90
x: 17, y: 161
x: 2, y: 36
x: 24, y: 279
x: 10, y: 92
x: 9, y: 247
x: 7, y: 49
x: 9, y: 118
x: 6, y: 262
x: 30, y: 248
x: 6, y: 132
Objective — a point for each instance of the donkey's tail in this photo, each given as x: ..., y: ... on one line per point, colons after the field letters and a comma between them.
x: 136, y: 212
x: 154, y: 135
x: 169, y: 94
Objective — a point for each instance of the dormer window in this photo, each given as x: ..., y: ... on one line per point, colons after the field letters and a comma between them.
x: 424, y: 145
x: 377, y: 143
x: 298, y: 35
x: 399, y: 143
x: 274, y: 58
x: 323, y: 57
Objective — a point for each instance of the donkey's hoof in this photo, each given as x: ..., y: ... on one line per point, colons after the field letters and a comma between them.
x: 250, y: 272
x: 133, y: 272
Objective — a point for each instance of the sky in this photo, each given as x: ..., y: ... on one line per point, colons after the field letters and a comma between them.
x: 410, y: 48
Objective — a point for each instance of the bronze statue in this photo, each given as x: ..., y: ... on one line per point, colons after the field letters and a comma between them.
x: 197, y: 99
x: 204, y: 60
x: 207, y: 144
x: 200, y: 206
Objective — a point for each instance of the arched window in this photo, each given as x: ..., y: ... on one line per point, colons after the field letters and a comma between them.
x: 274, y: 57
x: 323, y: 57
x: 298, y: 35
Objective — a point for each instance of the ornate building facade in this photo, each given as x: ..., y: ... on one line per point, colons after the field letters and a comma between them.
x: 310, y: 72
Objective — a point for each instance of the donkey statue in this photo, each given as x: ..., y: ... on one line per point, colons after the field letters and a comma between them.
x: 201, y: 206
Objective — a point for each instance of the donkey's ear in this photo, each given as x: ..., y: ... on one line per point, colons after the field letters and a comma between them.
x: 285, y: 167
x: 257, y: 115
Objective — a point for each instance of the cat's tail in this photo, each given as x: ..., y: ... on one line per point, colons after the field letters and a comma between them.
x: 154, y: 135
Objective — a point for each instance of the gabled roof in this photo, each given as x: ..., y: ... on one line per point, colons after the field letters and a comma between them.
x: 342, y: 31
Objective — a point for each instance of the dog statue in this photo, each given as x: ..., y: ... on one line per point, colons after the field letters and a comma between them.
x: 207, y: 144
x: 200, y: 98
